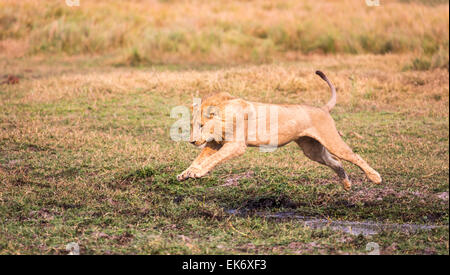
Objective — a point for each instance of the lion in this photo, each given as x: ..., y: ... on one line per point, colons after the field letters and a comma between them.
x: 312, y: 128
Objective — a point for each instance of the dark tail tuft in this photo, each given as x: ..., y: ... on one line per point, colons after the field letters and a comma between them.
x: 322, y: 75
x: 332, y: 101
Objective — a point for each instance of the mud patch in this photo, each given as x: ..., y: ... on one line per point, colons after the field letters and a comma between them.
x: 269, y: 202
x: 365, y: 228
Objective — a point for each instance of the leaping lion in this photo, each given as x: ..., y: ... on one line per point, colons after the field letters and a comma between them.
x: 312, y: 128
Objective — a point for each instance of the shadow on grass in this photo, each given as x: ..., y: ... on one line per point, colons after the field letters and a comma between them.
x: 266, y: 191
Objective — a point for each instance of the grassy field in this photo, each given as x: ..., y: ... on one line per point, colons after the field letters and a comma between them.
x: 155, y: 32
x: 85, y: 152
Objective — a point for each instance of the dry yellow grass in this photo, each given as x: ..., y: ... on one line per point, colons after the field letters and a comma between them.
x: 222, y: 31
x: 364, y: 82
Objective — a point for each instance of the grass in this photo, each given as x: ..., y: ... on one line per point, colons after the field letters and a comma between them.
x: 153, y: 32
x: 85, y: 156
x: 85, y: 152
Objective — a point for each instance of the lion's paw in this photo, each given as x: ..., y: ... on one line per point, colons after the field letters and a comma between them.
x: 184, y: 175
x: 191, y: 172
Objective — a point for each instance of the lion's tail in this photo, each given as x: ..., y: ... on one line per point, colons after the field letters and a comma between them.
x: 332, y: 101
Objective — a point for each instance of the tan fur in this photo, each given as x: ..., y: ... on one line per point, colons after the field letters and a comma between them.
x: 312, y: 128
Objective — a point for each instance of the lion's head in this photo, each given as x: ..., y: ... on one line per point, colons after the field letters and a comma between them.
x: 206, y: 119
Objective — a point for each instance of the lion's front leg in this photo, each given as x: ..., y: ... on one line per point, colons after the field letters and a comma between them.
x: 228, y: 151
x: 195, y: 167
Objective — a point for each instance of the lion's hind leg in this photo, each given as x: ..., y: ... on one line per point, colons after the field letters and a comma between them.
x: 333, y: 142
x: 317, y: 152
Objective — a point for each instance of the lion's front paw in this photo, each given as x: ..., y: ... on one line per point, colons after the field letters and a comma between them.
x: 191, y: 172
x: 198, y: 173
x: 184, y: 175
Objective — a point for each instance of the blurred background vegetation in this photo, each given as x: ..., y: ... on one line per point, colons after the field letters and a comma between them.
x: 145, y: 32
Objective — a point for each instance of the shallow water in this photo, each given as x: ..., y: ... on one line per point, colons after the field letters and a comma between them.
x: 355, y: 228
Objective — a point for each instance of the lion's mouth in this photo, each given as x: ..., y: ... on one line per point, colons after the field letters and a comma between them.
x: 201, y: 146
